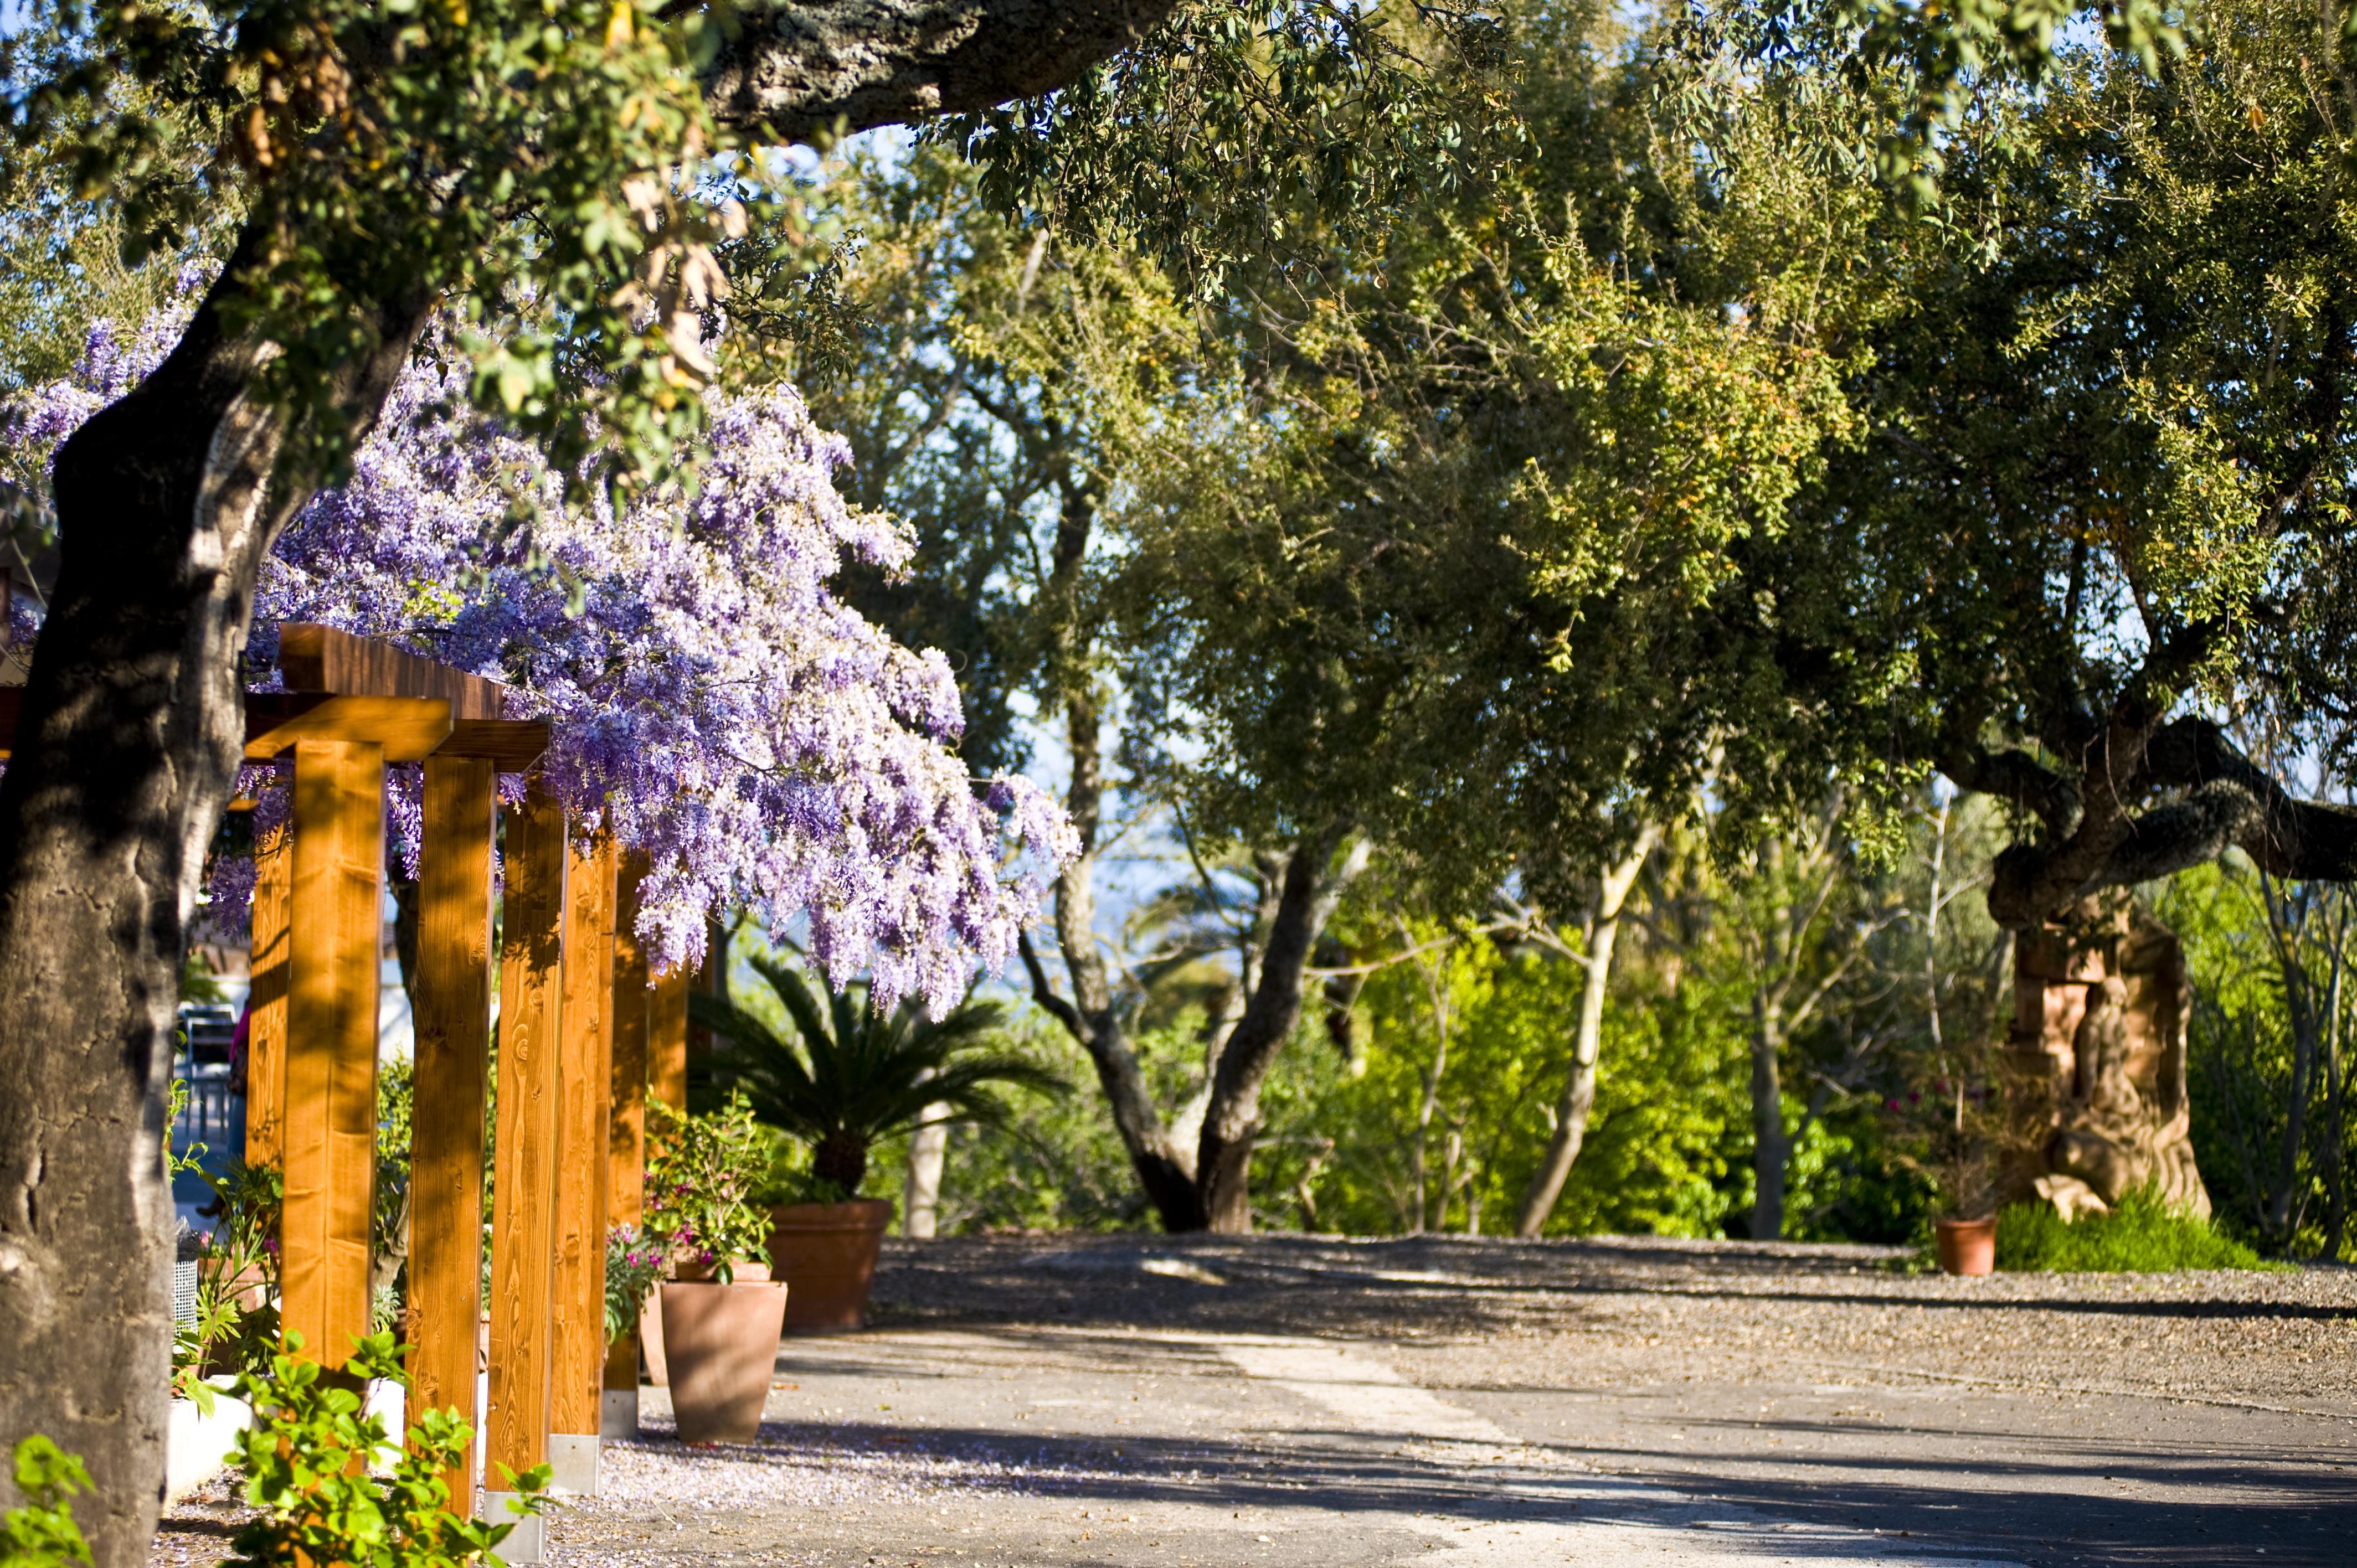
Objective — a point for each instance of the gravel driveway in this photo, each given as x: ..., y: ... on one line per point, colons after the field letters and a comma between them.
x: 1300, y: 1402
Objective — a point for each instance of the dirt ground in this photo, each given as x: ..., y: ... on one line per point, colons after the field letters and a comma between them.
x: 1455, y: 1403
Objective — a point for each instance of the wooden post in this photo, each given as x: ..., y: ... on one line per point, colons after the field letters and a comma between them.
x: 579, y: 1276
x: 523, y: 1215
x: 453, y: 1011
x: 625, y: 1133
x: 265, y: 1019
x: 667, y: 1040
x: 666, y: 1082
x: 330, y: 1108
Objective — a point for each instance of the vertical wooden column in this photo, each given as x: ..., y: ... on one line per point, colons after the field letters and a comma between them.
x: 579, y: 1273
x: 265, y: 1021
x: 667, y: 1040
x: 331, y: 1014
x: 523, y: 1213
x: 625, y: 1131
x: 453, y: 1011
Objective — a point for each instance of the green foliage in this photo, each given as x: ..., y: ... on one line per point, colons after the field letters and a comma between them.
x: 197, y: 982
x: 2268, y: 1055
x: 1055, y: 1162
x: 635, y: 1263
x: 852, y: 1074
x: 1238, y: 128
x: 396, y: 1094
x: 309, y: 1460
x: 2142, y: 1234
x: 703, y: 1171
x: 522, y: 160
x: 42, y: 1533
x: 236, y: 1320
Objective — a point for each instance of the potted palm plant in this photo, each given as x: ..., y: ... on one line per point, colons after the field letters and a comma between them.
x: 721, y: 1314
x: 849, y: 1076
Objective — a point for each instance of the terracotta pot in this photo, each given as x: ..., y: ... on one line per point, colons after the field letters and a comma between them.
x: 1966, y: 1246
x: 826, y: 1253
x: 651, y: 1337
x: 721, y: 1344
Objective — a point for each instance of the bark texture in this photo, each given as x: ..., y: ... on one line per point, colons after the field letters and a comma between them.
x: 798, y: 70
x: 132, y: 731
x: 2096, y: 1069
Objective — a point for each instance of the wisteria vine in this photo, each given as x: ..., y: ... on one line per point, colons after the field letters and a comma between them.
x: 710, y: 702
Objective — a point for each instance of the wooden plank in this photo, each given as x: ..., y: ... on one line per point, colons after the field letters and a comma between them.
x: 406, y: 729
x: 579, y: 1272
x: 322, y: 659
x: 514, y: 743
x: 524, y: 1214
x: 452, y: 1008
x: 265, y: 1023
x: 625, y: 1131
x: 667, y: 1040
x: 331, y: 1015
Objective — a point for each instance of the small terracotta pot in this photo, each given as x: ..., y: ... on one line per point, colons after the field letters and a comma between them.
x: 826, y: 1253
x: 650, y: 1338
x: 1966, y: 1246
x: 721, y: 1344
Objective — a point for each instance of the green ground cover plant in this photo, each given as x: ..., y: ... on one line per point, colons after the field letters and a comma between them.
x: 42, y: 1533
x: 2141, y: 1235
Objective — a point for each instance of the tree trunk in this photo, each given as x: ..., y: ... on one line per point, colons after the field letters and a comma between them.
x: 129, y: 741
x: 1769, y: 1148
x: 1579, y: 1087
x: 2096, y: 1077
x: 921, y: 1196
x: 1091, y: 1017
x: 1314, y: 883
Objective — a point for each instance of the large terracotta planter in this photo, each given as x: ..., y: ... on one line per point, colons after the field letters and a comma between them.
x: 826, y: 1253
x: 1966, y: 1246
x: 721, y: 1344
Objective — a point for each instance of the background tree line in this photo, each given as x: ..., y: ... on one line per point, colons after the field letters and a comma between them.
x: 1582, y: 602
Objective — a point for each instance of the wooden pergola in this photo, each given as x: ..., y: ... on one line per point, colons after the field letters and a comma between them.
x: 582, y: 1033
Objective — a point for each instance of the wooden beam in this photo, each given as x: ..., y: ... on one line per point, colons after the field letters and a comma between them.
x: 625, y: 1131
x: 579, y: 1276
x: 667, y: 1039
x: 322, y: 659
x: 452, y: 1008
x: 265, y: 1019
x: 514, y: 743
x: 405, y: 729
x: 331, y: 1015
x: 524, y: 1214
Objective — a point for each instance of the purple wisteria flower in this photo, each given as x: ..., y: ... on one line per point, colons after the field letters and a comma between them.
x: 710, y: 700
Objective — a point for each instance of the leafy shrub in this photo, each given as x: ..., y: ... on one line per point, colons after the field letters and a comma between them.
x: 42, y: 1534
x: 702, y: 1172
x: 307, y: 1459
x: 633, y: 1265
x: 2142, y: 1234
x: 237, y: 1265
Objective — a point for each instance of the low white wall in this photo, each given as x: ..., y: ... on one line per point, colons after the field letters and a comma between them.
x: 200, y: 1443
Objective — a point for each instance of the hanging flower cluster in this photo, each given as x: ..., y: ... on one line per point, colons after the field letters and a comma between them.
x: 710, y: 700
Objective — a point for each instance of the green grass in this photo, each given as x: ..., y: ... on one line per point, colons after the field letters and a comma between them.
x: 2142, y: 1234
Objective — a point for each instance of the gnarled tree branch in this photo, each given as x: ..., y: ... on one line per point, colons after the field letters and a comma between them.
x: 2210, y: 798
x: 795, y: 70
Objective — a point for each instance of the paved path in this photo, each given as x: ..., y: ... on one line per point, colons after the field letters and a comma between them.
x: 1129, y: 1402
x: 1062, y: 1448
